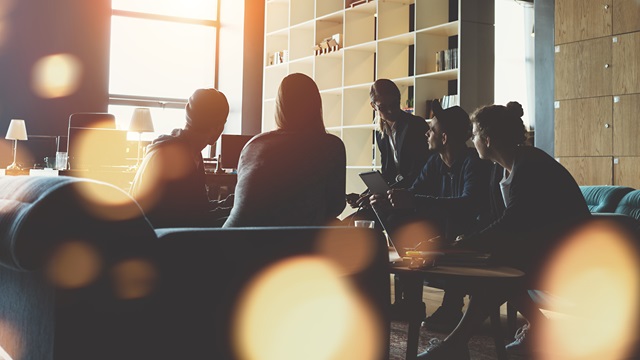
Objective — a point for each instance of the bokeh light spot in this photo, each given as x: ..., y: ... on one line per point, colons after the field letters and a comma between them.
x: 301, y: 308
x: 349, y: 256
x: 597, y: 272
x: 73, y: 264
x: 56, y: 76
x: 11, y: 342
x: 134, y: 278
x: 107, y: 202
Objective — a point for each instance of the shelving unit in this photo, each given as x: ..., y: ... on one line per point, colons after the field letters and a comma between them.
x: 394, y: 39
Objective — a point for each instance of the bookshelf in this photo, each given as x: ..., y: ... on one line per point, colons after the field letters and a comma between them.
x: 394, y: 39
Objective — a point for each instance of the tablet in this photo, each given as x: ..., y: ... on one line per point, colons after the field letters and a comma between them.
x: 375, y: 182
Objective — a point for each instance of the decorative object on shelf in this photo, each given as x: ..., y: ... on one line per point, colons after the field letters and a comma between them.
x: 140, y: 122
x: 328, y: 45
x: 17, y: 131
x: 352, y: 3
x: 279, y: 57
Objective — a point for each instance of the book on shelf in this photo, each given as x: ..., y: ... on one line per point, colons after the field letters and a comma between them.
x: 447, y: 59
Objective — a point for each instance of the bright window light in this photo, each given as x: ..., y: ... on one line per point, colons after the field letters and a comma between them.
x: 160, y: 59
x: 194, y: 9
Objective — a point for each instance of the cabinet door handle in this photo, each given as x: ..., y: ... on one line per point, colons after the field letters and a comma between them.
x: 606, y: 66
x: 606, y: 6
x: 606, y: 126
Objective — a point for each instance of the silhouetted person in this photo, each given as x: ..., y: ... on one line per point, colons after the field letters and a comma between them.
x: 400, y: 138
x: 170, y: 182
x: 451, y: 193
x: 534, y: 201
x: 295, y: 175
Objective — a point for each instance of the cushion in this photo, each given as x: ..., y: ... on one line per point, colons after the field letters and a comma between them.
x: 603, y: 198
x: 630, y: 205
x: 39, y: 213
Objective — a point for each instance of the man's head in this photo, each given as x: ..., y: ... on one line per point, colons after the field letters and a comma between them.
x: 449, y: 127
x: 206, y: 114
x: 385, y: 99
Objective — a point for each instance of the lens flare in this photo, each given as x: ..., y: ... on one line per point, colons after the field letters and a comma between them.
x: 301, y: 308
x: 56, y: 76
x: 134, y: 278
x: 107, y: 202
x: 73, y: 264
x: 597, y: 271
x: 350, y: 256
x: 11, y: 342
x: 410, y: 234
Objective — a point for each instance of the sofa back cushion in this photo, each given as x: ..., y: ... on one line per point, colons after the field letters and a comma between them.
x: 630, y: 205
x: 603, y: 198
x: 210, y: 276
x: 38, y: 214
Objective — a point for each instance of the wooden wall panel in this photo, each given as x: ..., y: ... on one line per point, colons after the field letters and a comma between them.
x: 627, y: 172
x: 589, y: 170
x: 626, y: 63
x: 583, y: 69
x: 582, y: 19
x: 626, y: 16
x: 583, y: 127
x: 626, y: 125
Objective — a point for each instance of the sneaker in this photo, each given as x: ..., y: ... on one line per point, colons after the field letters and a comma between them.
x: 443, y: 320
x: 439, y: 350
x: 521, y: 344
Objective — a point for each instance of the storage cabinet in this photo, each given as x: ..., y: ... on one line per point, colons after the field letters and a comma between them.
x: 597, y: 90
x: 589, y: 170
x: 584, y: 127
x: 394, y: 39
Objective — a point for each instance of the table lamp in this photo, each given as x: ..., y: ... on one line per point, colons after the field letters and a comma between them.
x: 140, y: 122
x: 17, y: 131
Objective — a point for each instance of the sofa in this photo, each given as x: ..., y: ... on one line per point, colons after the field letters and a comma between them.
x: 85, y: 276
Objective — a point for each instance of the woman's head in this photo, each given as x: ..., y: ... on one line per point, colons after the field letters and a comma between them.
x: 499, y: 127
x: 298, y: 105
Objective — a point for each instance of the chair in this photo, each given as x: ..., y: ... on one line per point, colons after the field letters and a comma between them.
x: 603, y: 199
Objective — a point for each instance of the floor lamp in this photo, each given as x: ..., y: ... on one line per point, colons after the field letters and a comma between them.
x: 141, y: 122
x: 17, y: 131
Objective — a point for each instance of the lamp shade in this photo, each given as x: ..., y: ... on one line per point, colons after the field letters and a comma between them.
x: 141, y: 121
x: 17, y: 130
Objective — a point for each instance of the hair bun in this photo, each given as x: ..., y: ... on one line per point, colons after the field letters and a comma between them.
x: 514, y: 108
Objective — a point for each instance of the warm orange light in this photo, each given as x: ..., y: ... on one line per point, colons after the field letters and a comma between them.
x: 134, y: 278
x: 73, y: 264
x: 411, y: 234
x: 302, y: 309
x: 596, y: 272
x: 11, y: 342
x: 107, y: 202
x: 349, y: 256
x: 56, y: 76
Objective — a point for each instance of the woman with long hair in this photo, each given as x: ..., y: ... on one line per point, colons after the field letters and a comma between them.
x: 294, y: 175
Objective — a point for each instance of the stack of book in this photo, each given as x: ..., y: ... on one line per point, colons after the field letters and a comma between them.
x: 447, y: 59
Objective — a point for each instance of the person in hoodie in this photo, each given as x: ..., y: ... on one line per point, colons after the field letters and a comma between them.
x: 170, y: 183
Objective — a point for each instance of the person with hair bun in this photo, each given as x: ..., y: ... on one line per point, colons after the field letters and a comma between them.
x: 534, y: 202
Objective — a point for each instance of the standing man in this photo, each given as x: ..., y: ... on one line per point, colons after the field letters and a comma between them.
x: 170, y: 183
x: 451, y: 193
x: 403, y: 148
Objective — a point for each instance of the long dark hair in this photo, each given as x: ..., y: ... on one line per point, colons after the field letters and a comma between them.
x: 299, y: 105
x: 503, y: 124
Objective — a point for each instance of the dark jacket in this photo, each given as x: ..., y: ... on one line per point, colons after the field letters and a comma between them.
x: 544, y: 203
x: 289, y: 179
x: 170, y: 185
x: 413, y: 150
x: 456, y: 198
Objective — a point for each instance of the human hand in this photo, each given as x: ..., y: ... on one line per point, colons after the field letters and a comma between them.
x: 400, y: 199
x: 378, y: 200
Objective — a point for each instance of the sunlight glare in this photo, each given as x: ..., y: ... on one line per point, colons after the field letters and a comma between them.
x: 56, y: 76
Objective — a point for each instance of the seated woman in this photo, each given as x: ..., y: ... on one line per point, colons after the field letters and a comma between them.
x: 534, y: 200
x: 295, y: 175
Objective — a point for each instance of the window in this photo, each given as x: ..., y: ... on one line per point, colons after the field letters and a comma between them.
x: 161, y: 51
